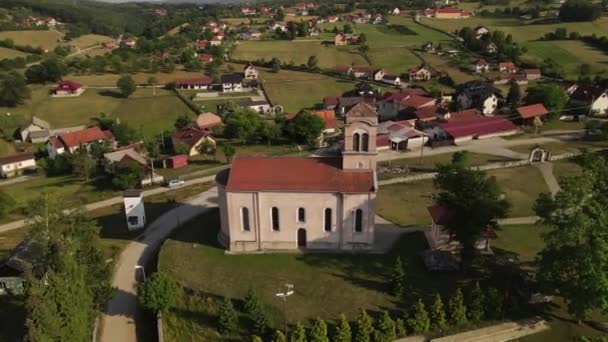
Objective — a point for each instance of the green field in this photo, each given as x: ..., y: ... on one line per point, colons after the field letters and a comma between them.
x: 45, y: 39
x: 405, y: 203
x: 11, y: 53
x: 570, y: 54
x: 521, y: 185
x: 89, y: 40
x: 388, y: 48
x: 139, y: 78
x: 142, y: 110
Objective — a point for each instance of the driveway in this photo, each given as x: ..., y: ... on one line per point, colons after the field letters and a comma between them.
x: 118, y: 323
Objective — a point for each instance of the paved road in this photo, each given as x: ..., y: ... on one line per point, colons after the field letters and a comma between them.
x: 118, y: 323
x: 112, y: 201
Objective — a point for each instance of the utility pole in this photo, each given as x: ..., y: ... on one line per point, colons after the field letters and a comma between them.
x: 288, y: 292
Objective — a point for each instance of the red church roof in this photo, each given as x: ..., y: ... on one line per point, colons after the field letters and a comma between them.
x: 297, y: 174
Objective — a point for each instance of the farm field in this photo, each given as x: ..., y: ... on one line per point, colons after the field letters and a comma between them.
x: 442, y: 64
x: 89, y: 40
x: 570, y: 54
x: 11, y: 53
x: 45, y: 39
x: 142, y: 110
x: 109, y: 79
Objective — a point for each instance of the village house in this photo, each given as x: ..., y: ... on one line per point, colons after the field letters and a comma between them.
x: 477, y: 94
x: 250, y: 72
x: 395, y: 11
x: 130, y: 42
x: 251, y: 34
x: 480, y: 31
x: 190, y: 138
x: 399, y: 136
x: 17, y: 164
x: 509, y: 67
x: 447, y: 13
x: 533, y: 74
x: 491, y: 48
x: 262, y: 107
x: 290, y: 12
x: 281, y: 25
x: 202, y: 44
x: 362, y: 72
x: 480, y: 65
x: 216, y: 41
x: 331, y: 200
x: 71, y: 142
x: 37, y: 131
x: 199, y: 83
x: 329, y: 118
x: 342, y: 39
x: 428, y: 47
x: 463, y: 131
x: 66, y: 88
x: 116, y: 160
x: 419, y: 73
x: 392, y: 80
x: 527, y: 114
x: 332, y: 19
x: 232, y: 82
x: 208, y: 121
x: 403, y: 104
x: 507, y: 78
x: 378, y: 75
x: 378, y: 19
x: 593, y: 96
x: 206, y: 58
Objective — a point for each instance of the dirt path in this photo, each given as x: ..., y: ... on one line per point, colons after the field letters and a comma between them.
x: 546, y: 169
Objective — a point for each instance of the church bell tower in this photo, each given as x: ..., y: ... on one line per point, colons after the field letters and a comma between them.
x: 361, y: 125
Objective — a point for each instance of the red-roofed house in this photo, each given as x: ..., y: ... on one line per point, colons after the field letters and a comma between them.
x: 507, y: 67
x: 202, y: 44
x: 518, y: 78
x: 528, y: 113
x: 331, y: 102
x: 208, y: 121
x: 329, y: 117
x: 484, y: 127
x: 533, y: 74
x: 447, y: 13
x: 191, y: 138
x: 419, y: 73
x: 480, y: 65
x: 206, y: 58
x: 67, y: 88
x: 70, y: 142
x: 275, y: 204
x: 194, y: 83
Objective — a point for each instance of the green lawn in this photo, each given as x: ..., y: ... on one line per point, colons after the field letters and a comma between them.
x: 6, y: 148
x: 444, y: 64
x: 566, y: 168
x: 570, y: 54
x: 143, y: 111
x: 523, y: 240
x: 89, y: 40
x: 44, y: 39
x: 405, y: 203
x: 521, y: 185
x: 109, y: 79
x: 11, y: 53
x: 347, y: 282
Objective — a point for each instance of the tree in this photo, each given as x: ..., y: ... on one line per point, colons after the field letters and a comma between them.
x: 256, y: 339
x: 437, y: 314
x: 298, y: 334
x: 229, y: 151
x: 242, y: 124
x: 228, y: 320
x: 278, y: 337
x: 276, y: 67
x: 252, y: 302
x: 128, y: 176
x: 7, y: 203
x: 579, y: 10
x: 207, y: 148
x: 457, y: 309
x: 363, y: 327
x: 342, y: 332
x: 385, y: 328
x: 49, y: 70
x: 573, y: 262
x: 514, y: 95
x: 397, y: 283
x: 551, y: 95
x: 13, y: 89
x: 152, y: 81
x: 318, y: 332
x: 460, y: 158
x: 419, y: 320
x: 182, y: 121
x: 347, y: 28
x: 493, y: 304
x: 474, y: 201
x: 476, y: 304
x: 400, y: 328
x: 126, y: 85
x: 83, y: 164
x: 304, y: 128
x: 158, y: 293
x: 313, y: 62
x: 261, y: 318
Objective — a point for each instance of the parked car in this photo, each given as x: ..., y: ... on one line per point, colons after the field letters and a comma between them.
x: 175, y: 183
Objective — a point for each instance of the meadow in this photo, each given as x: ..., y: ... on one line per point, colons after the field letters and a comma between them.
x: 110, y: 79
x: 570, y: 54
x: 47, y: 40
x: 6, y: 53
x: 89, y: 40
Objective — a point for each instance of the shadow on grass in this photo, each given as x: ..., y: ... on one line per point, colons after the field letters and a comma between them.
x: 111, y: 93
x: 12, y: 318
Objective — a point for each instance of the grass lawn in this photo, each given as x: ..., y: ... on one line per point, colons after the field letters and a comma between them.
x: 570, y: 54
x: 429, y: 163
x: 443, y: 64
x: 566, y: 168
x: 523, y: 240
x: 47, y: 40
x: 8, y: 241
x: 89, y: 40
x: 347, y: 282
x: 11, y: 53
x: 6, y: 148
x: 405, y: 203
x: 109, y: 79
x: 142, y: 110
x: 521, y: 185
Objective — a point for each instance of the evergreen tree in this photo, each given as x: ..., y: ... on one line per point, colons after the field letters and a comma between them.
x: 398, y: 278
x: 364, y: 327
x: 255, y: 338
x: 493, y: 304
x: 261, y: 319
x: 419, y: 320
x: 228, y: 318
x: 514, y: 95
x: 437, y: 314
x: 278, y: 337
x: 400, y: 328
x: 457, y: 309
x: 342, y: 333
x: 298, y: 334
x: 318, y: 332
x: 385, y: 328
x: 252, y: 302
x: 476, y: 304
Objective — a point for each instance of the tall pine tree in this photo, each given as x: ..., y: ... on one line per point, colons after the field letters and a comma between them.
x: 398, y: 278
x: 476, y: 304
x: 364, y: 327
x: 419, y: 320
x: 318, y: 332
x: 342, y: 333
x: 385, y: 328
x: 298, y: 334
x: 437, y: 314
x: 228, y: 318
x: 457, y: 309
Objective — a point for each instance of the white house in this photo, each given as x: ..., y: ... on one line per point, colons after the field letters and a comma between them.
x: 17, y: 164
x: 396, y: 11
x: 481, y: 65
x: 135, y: 212
x: 477, y: 94
x: 72, y: 141
x: 481, y: 31
x: 261, y: 107
x: 595, y: 97
x: 250, y: 72
x: 392, y: 80
x: 232, y: 82
x: 379, y: 75
x: 38, y: 131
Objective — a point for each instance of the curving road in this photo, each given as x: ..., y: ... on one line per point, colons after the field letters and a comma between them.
x: 118, y: 323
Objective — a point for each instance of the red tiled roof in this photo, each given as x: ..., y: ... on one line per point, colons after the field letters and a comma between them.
x: 189, y: 136
x: 363, y: 69
x: 478, y: 126
x: 331, y: 100
x: 67, y: 85
x: 383, y: 140
x: 342, y: 68
x: 467, y: 114
x: 203, y: 43
x: 328, y: 116
x: 439, y: 214
x: 195, y: 81
x: 296, y: 174
x: 206, y: 58
x: 404, y: 123
x: 507, y: 65
x: 15, y: 158
x: 482, y: 61
x: 426, y: 113
x: 416, y: 101
x: 55, y: 142
x: 84, y: 136
x: 531, y: 111
x: 532, y: 71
